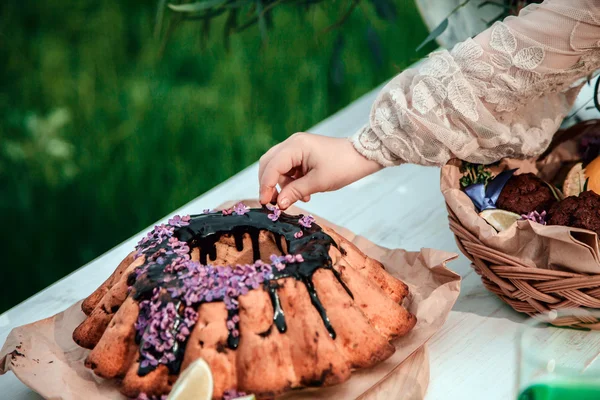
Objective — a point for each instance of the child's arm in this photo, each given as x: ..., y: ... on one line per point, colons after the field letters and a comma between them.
x: 305, y: 164
x: 504, y: 93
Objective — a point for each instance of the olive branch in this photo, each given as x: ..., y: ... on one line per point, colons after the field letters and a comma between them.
x: 506, y: 7
x: 243, y: 14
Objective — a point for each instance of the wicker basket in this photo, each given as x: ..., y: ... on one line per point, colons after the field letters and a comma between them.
x: 513, y: 277
x: 529, y: 290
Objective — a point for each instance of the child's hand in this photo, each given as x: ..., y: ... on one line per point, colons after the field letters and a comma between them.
x: 305, y: 164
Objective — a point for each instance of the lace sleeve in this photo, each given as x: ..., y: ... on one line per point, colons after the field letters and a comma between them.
x: 503, y: 93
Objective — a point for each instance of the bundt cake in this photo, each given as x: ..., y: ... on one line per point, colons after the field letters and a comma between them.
x: 272, y: 302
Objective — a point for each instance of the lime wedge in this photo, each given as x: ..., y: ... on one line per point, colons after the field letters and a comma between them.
x: 575, y: 181
x: 195, y: 383
x: 249, y: 397
x: 499, y: 219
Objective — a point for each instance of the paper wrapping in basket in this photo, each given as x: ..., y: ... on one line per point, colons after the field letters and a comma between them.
x: 542, y: 246
x: 45, y: 358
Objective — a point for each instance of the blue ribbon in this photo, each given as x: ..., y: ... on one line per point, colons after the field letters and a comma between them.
x: 485, y: 196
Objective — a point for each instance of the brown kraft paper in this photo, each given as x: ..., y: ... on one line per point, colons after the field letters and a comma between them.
x: 543, y: 246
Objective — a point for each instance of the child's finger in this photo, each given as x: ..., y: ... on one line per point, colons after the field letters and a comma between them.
x: 274, y: 196
x: 285, y: 161
x: 264, y: 160
x: 267, y: 195
x: 298, y: 189
x: 285, y: 180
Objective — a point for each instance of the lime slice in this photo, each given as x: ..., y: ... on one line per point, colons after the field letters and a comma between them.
x: 499, y: 219
x: 195, y: 383
x: 575, y: 181
x: 249, y: 397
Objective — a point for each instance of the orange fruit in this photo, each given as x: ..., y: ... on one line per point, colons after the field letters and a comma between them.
x: 592, y: 173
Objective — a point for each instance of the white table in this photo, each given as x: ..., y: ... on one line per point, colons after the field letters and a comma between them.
x: 473, y: 356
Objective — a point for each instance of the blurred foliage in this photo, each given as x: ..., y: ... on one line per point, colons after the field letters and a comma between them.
x: 243, y: 14
x: 505, y: 9
x: 100, y: 137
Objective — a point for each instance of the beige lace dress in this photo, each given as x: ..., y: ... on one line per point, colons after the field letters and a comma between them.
x: 502, y: 94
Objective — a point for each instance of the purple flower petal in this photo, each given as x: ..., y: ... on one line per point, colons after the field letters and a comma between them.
x: 276, y: 212
x: 241, y: 209
x: 179, y: 221
x: 232, y: 394
x: 534, y: 216
x: 306, y: 221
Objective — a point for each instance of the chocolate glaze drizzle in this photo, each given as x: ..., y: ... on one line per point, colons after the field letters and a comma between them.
x: 205, y: 230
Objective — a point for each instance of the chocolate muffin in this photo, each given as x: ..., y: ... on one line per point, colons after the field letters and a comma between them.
x: 525, y: 193
x: 581, y: 211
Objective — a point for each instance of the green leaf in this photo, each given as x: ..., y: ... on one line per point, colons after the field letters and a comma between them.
x: 434, y: 34
x: 198, y: 6
x: 261, y: 20
x: 474, y: 173
x: 555, y: 192
x: 230, y: 25
x: 238, y: 4
x: 493, y: 3
x: 160, y: 14
x: 205, y: 32
x: 499, y: 17
x: 203, y: 16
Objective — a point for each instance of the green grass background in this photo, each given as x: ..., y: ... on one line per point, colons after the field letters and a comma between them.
x: 99, y: 136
